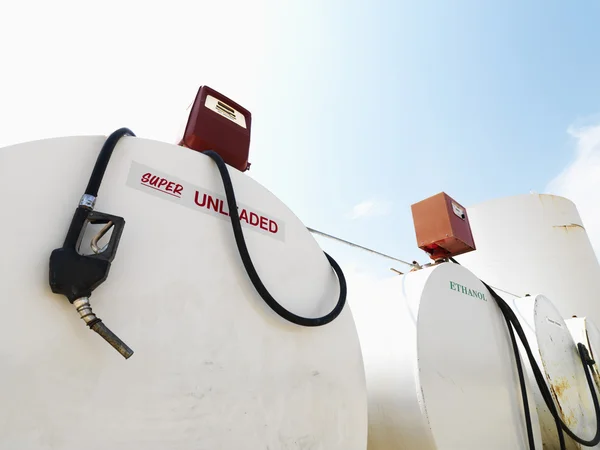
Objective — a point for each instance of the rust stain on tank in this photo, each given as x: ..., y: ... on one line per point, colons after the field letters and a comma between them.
x: 558, y: 388
x: 570, y: 226
x: 550, y: 197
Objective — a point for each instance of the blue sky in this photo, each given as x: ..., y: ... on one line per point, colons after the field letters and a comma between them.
x: 379, y: 103
x: 400, y: 100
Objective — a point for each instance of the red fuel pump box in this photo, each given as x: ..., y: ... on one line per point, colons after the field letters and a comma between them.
x: 218, y: 123
x: 442, y: 227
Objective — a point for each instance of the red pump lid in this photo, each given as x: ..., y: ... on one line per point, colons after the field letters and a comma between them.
x: 218, y: 123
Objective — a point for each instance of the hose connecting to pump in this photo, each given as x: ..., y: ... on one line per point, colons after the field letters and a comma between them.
x: 251, y: 270
x: 513, y: 322
x: 75, y: 275
x: 522, y: 385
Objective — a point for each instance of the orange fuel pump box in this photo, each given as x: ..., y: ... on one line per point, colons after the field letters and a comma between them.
x: 442, y: 227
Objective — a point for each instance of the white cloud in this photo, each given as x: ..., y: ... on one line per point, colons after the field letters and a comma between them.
x: 370, y: 208
x: 580, y: 180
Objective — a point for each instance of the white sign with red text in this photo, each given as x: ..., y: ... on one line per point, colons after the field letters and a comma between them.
x: 168, y: 187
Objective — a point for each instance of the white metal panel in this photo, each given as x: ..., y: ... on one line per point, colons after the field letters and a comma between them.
x: 536, y: 243
x: 558, y: 358
x: 214, y: 367
x: 439, y: 364
x: 578, y: 328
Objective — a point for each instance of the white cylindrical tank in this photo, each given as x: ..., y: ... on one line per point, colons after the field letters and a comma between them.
x: 214, y: 367
x: 536, y: 243
x: 558, y: 358
x: 585, y: 330
x: 439, y: 363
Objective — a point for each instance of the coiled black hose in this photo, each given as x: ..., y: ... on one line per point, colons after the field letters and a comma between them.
x: 586, y: 361
x: 251, y: 270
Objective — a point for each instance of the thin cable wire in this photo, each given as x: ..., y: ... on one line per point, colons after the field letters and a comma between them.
x: 351, y: 244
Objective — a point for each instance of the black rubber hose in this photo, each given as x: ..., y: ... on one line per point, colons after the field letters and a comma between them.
x: 510, y: 315
x: 251, y: 270
x: 103, y: 158
x: 511, y: 318
x: 522, y: 383
x: 544, y: 387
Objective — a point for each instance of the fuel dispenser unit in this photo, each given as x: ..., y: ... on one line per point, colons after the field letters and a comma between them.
x: 441, y: 373
x: 239, y: 328
x: 447, y: 234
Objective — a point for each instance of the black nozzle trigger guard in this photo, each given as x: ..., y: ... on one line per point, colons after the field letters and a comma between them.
x: 73, y: 274
x: 118, y: 224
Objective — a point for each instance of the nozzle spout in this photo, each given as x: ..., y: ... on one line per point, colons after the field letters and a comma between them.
x: 85, y: 311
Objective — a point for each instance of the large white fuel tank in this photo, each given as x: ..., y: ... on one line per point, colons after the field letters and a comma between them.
x: 536, y: 243
x: 214, y: 367
x: 440, y: 367
x: 558, y: 358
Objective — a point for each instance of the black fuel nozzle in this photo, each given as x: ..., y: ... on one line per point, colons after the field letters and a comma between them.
x: 585, y: 354
x: 76, y: 275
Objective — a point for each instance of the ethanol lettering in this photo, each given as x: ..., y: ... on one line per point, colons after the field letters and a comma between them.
x: 161, y: 184
x: 467, y: 291
x: 211, y: 203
